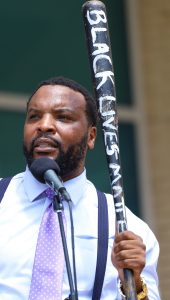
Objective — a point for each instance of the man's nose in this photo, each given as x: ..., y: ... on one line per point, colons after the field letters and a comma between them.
x: 47, y: 124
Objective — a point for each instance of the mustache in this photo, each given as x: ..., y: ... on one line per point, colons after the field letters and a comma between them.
x: 47, y: 136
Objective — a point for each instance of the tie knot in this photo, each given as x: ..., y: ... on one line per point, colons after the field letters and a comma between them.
x: 49, y: 193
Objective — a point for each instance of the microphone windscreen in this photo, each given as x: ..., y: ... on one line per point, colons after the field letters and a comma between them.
x: 40, y: 165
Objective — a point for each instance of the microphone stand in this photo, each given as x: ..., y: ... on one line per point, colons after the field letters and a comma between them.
x: 58, y: 208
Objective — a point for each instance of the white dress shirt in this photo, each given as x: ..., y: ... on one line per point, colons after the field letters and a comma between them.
x: 21, y: 211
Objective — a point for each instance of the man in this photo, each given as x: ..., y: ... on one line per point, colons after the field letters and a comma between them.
x: 61, y: 124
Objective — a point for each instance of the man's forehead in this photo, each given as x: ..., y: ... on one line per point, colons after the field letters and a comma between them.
x: 57, y: 95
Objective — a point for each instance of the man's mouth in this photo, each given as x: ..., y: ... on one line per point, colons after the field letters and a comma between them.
x: 44, y: 145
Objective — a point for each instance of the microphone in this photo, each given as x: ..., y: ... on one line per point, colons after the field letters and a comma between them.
x: 46, y: 170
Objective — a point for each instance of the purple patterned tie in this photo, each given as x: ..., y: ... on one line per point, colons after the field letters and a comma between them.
x: 47, y: 273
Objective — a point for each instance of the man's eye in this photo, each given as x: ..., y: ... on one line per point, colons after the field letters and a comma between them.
x: 33, y: 117
x: 64, y: 118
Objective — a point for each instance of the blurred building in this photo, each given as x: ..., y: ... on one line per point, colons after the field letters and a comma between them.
x: 40, y: 40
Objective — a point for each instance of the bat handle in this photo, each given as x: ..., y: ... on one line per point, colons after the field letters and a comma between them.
x: 130, y: 285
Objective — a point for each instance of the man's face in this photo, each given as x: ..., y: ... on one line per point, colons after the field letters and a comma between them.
x: 56, y: 126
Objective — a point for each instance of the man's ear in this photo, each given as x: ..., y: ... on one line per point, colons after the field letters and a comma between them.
x: 92, y: 133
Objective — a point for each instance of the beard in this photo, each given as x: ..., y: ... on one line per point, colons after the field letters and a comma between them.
x: 67, y: 160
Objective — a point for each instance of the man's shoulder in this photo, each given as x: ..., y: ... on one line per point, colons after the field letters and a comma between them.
x: 15, y: 177
x: 134, y: 222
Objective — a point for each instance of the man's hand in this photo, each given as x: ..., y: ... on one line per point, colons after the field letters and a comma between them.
x: 129, y: 252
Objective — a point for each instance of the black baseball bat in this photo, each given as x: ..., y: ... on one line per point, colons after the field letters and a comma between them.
x: 100, y: 57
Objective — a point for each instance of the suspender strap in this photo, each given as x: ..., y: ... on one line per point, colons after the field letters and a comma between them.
x: 3, y: 186
x: 102, y: 245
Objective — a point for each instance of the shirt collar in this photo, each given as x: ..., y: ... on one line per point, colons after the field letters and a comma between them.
x: 33, y: 187
x: 75, y: 187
